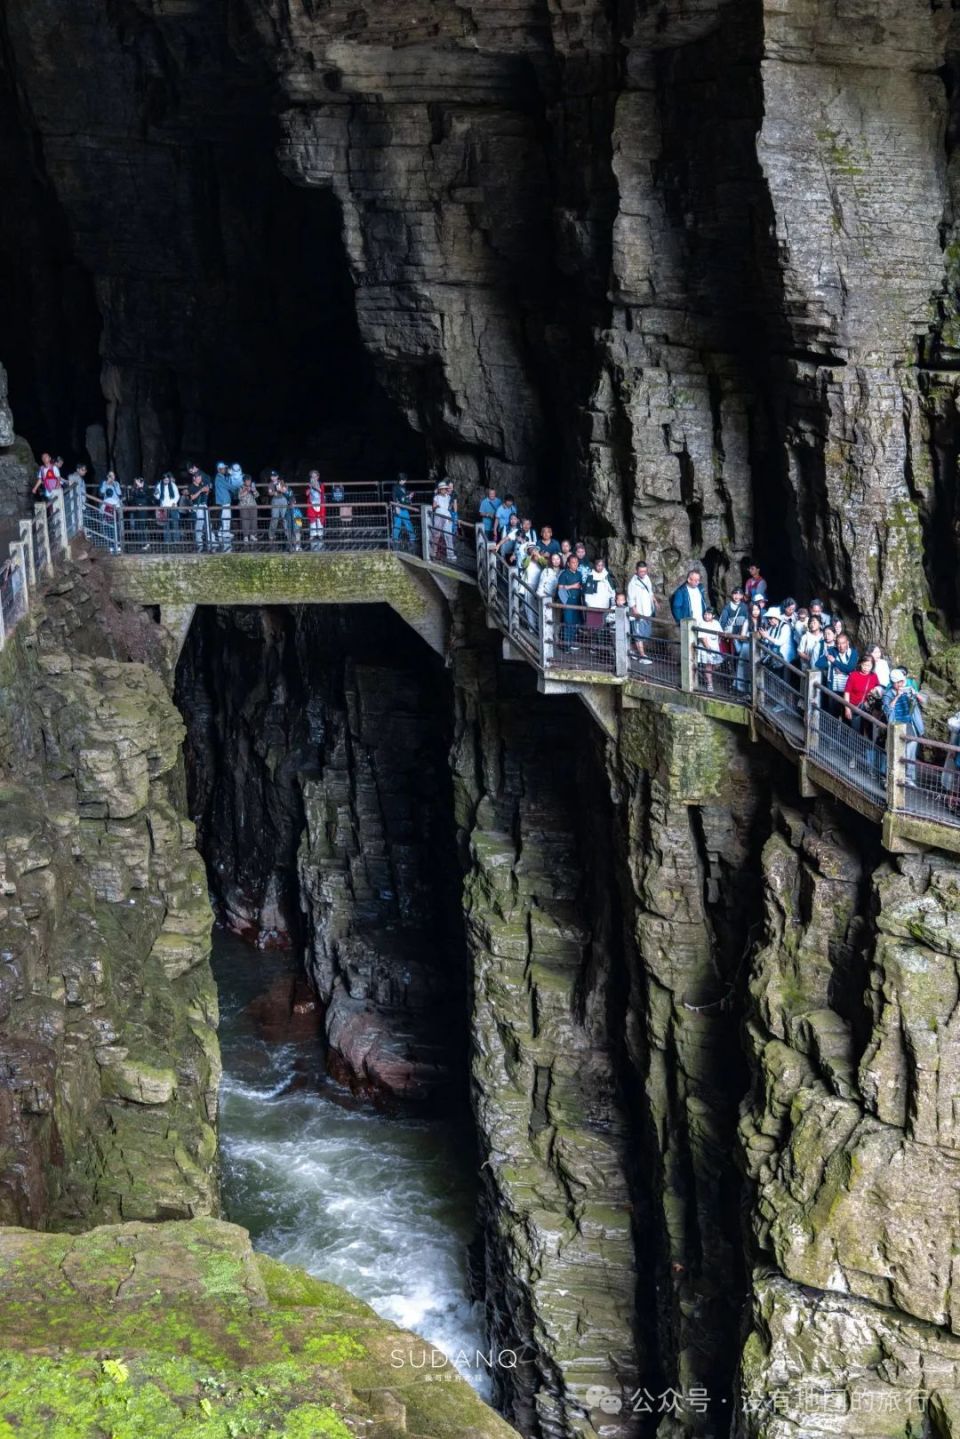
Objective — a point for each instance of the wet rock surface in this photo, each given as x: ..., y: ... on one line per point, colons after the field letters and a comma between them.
x: 180, y: 1328
x: 108, y: 1011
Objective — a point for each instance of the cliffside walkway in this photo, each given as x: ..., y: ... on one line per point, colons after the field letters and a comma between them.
x: 372, y: 553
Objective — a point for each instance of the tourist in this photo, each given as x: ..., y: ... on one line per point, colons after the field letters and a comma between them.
x: 488, y: 513
x: 743, y: 640
x: 709, y: 633
x: 549, y: 578
x: 226, y: 486
x: 689, y: 600
x: 317, y: 510
x: 569, y: 593
x: 548, y: 546
x: 280, y: 529
x: 756, y: 585
x: 136, y: 501
x: 198, y: 495
x: 817, y: 611
x: 881, y: 666
x: 783, y: 635
x: 643, y: 608
x: 903, y: 705
x: 247, y: 505
x: 508, y: 536
x: 402, y: 500
x: 166, y: 494
x: 599, y: 593
x: 583, y: 564
x: 504, y: 516
x: 734, y: 612
x: 78, y: 477
x: 838, y: 663
x: 811, y: 645
x: 444, y: 522
x: 861, y: 684
x: 112, y: 497
x: 48, y: 478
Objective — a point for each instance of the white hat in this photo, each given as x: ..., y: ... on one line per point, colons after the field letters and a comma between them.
x: 897, y: 676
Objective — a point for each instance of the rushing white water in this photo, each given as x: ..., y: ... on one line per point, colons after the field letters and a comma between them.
x: 380, y: 1205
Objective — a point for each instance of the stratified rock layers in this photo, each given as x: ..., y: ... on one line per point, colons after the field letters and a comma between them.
x: 107, y: 1006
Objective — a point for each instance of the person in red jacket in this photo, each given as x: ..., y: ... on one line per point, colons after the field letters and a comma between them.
x: 316, y: 509
x: 860, y: 684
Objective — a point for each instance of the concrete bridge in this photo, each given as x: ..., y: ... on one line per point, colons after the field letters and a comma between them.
x: 415, y: 562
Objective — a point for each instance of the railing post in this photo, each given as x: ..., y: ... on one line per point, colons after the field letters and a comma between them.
x: 426, y: 515
x: 811, y: 711
x: 40, y: 517
x: 546, y: 633
x: 59, y: 504
x: 688, y: 656
x: 621, y: 641
x: 482, y: 572
x: 26, y: 546
x: 754, y: 672
x: 19, y: 551
x: 513, y: 601
x: 896, y: 769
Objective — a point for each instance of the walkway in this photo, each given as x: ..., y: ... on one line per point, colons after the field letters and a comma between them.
x: 370, y: 551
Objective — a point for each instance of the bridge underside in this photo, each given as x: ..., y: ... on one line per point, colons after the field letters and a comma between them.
x: 178, y: 583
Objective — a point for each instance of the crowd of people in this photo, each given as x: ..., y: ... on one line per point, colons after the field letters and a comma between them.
x: 861, y: 685
x: 223, y: 510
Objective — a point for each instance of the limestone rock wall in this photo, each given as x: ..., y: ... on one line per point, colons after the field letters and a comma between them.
x: 554, y: 1122
x: 110, y: 1064
x: 848, y: 1137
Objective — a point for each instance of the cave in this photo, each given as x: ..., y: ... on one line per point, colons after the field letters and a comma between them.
x: 374, y: 988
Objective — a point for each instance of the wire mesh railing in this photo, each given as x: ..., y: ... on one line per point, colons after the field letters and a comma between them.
x: 584, y: 638
x: 228, y: 529
x: 654, y: 653
x: 848, y: 742
x: 450, y: 541
x: 721, y: 665
x: 929, y: 781
x: 780, y: 690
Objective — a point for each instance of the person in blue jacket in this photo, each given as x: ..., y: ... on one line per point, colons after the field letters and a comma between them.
x: 689, y: 600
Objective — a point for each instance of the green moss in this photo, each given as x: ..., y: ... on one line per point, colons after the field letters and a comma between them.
x: 178, y: 1331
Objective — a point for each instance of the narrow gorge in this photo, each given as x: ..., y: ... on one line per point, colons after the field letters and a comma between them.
x: 639, y: 1049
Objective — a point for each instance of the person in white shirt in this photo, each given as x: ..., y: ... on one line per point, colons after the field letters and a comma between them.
x: 599, y: 594
x: 708, y: 646
x: 549, y: 579
x: 643, y: 607
x: 881, y: 666
x: 444, y: 511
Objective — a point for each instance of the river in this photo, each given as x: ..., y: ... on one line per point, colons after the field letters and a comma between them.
x: 381, y: 1205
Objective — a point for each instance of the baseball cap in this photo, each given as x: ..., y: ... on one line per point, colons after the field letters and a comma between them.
x: 897, y: 676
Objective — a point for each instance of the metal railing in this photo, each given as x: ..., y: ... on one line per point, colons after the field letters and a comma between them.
x: 927, y: 780
x: 780, y: 690
x: 847, y: 741
x: 654, y: 658
x: 447, y: 540
x: 896, y: 774
x: 721, y: 665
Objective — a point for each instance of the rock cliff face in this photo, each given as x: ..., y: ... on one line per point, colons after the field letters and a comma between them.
x: 108, y: 1012
x: 681, y: 275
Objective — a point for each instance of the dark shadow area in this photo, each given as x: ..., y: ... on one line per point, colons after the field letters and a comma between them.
x: 163, y: 282
x: 316, y: 751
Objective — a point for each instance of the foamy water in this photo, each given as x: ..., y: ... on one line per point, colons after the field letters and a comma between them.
x: 379, y: 1205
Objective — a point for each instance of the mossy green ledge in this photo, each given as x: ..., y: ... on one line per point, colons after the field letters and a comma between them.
x: 307, y: 578
x: 144, y: 1331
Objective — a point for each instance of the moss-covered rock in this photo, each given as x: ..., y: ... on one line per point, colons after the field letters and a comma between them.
x: 181, y: 1331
